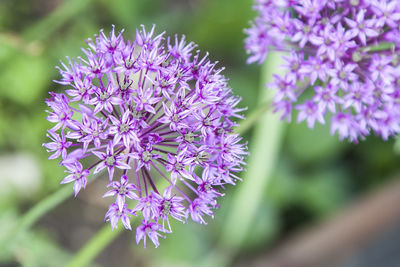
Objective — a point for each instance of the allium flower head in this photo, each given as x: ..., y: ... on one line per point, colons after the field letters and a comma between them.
x: 158, y: 117
x: 342, y: 62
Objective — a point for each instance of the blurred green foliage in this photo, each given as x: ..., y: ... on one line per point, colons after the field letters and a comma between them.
x: 316, y: 175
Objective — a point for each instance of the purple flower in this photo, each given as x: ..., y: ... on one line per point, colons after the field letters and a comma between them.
x: 315, y: 68
x: 148, y: 206
x: 150, y: 111
x: 310, y: 112
x: 91, y: 130
x: 77, y: 175
x: 173, y: 117
x: 361, y: 27
x: 82, y: 90
x: 121, y: 190
x: 170, y: 206
x: 176, y: 166
x: 110, y: 160
x: 146, y: 100
x: 342, y: 75
x: 387, y: 12
x: 305, y: 32
x: 114, y: 214
x: 200, y: 207
x: 62, y: 113
x: 206, y: 185
x: 346, y: 126
x: 110, y: 44
x: 104, y: 98
x: 58, y: 146
x: 343, y: 55
x: 326, y: 98
x: 326, y: 42
x: 124, y: 129
x: 149, y: 229
x: 381, y: 69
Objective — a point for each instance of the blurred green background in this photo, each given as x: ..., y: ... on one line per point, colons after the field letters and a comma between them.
x: 316, y: 176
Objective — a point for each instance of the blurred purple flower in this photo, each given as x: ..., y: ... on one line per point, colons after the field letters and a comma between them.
x: 344, y: 55
x: 151, y: 230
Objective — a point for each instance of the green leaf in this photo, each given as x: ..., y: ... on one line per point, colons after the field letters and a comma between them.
x: 265, y: 228
x: 310, y: 145
x: 174, y: 248
x: 23, y: 78
x: 56, y: 19
x: 397, y: 145
x: 38, y: 249
x: 324, y: 191
x: 284, y: 185
x: 264, y: 155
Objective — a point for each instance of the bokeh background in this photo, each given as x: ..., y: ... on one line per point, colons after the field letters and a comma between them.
x: 328, y: 203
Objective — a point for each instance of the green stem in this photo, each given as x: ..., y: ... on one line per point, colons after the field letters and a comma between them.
x: 35, y: 213
x: 253, y: 118
x: 264, y: 151
x: 94, y: 246
x: 397, y: 145
x: 379, y: 47
x: 56, y: 19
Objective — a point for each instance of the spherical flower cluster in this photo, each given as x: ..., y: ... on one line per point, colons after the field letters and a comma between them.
x: 342, y: 62
x: 158, y: 118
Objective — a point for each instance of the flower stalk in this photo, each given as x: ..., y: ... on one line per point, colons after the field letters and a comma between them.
x: 35, y: 213
x: 264, y: 150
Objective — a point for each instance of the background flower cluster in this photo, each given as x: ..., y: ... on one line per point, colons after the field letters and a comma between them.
x: 342, y: 63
